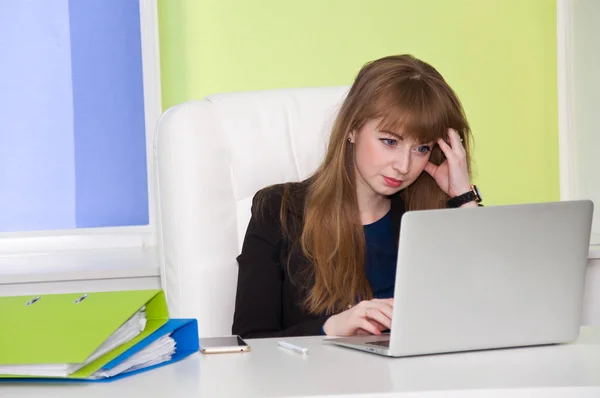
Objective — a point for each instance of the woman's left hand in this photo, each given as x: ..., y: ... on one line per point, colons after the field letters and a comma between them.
x: 452, y: 176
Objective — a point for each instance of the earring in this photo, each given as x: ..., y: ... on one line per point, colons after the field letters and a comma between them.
x: 349, y: 139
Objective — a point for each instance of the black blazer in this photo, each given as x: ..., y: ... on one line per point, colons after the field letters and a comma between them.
x: 269, y: 291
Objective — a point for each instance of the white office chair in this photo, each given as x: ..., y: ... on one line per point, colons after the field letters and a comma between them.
x: 212, y: 156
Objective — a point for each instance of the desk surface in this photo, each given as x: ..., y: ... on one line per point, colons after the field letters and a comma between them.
x: 571, y: 370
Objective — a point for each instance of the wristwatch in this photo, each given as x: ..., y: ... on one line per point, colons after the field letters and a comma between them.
x: 470, y: 196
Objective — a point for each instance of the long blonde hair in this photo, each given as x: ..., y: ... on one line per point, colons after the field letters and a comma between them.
x: 408, y: 95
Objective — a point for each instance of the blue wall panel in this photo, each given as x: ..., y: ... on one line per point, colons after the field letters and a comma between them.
x: 37, y: 176
x: 110, y: 148
x: 72, y: 133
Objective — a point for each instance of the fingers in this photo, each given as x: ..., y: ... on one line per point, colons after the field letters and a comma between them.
x: 445, y: 148
x: 380, y: 311
x: 431, y: 168
x: 378, y: 325
x: 362, y: 332
x: 454, y: 138
x: 368, y: 326
x: 386, y: 306
x: 367, y: 317
x: 455, y: 154
x: 456, y: 142
x: 379, y: 317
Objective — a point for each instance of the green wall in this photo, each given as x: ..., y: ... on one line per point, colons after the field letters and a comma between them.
x: 499, y: 55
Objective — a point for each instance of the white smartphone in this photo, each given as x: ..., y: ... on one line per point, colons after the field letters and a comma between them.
x: 220, y: 345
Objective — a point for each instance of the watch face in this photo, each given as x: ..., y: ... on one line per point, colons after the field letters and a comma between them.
x: 477, y: 193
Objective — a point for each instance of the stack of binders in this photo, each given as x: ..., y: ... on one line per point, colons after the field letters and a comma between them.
x: 90, y: 337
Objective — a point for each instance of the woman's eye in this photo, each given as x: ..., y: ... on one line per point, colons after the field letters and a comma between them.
x: 423, y: 149
x: 389, y: 141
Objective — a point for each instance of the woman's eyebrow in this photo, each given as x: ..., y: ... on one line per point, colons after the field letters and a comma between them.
x: 392, y: 134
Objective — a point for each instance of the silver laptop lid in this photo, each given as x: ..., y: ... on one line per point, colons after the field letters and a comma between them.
x: 490, y: 277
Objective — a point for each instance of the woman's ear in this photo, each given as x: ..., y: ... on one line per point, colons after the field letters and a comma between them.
x: 351, y: 136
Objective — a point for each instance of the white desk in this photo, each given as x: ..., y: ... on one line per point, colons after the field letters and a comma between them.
x: 269, y: 371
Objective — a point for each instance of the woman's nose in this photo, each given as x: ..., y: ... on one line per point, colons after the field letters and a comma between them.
x: 402, y: 163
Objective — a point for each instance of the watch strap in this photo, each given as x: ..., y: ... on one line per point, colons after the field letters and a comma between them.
x: 466, y: 197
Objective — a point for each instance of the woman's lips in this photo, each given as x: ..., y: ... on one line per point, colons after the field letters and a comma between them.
x: 392, y: 182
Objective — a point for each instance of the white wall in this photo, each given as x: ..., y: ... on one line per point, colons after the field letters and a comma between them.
x: 585, y: 127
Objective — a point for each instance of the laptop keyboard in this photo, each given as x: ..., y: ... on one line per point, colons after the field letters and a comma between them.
x: 383, y: 343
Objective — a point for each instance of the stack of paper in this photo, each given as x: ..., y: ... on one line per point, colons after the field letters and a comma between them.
x: 93, y: 336
x: 130, y: 329
x: 159, y: 351
x: 127, y: 332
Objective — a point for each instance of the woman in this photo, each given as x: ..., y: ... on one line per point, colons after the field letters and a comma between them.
x: 319, y: 256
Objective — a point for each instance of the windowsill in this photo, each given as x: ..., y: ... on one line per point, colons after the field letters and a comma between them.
x: 594, y: 252
x: 95, y: 264
x: 73, y: 265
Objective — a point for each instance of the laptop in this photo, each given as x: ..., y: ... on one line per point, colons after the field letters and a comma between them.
x: 485, y: 278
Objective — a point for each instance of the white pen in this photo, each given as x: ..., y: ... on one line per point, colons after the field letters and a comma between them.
x: 289, y: 346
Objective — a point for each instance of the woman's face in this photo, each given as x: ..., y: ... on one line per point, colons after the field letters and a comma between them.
x: 385, y: 162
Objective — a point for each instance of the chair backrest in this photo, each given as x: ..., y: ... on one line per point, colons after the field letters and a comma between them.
x: 212, y: 156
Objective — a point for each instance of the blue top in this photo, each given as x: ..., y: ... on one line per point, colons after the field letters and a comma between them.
x: 381, y: 257
x: 380, y: 265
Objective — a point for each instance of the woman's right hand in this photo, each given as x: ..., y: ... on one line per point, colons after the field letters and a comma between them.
x: 371, y: 316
